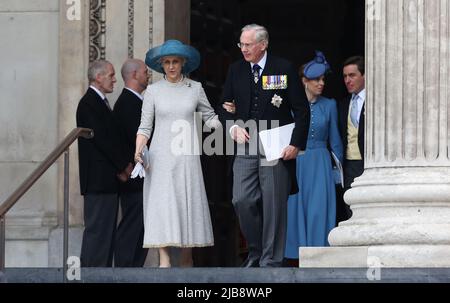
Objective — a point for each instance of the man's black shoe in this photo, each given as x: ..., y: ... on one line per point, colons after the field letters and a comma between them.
x: 250, y: 263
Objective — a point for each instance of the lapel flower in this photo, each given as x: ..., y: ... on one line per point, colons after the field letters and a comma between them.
x: 276, y: 100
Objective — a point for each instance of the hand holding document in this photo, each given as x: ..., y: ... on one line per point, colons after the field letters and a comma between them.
x: 275, y: 140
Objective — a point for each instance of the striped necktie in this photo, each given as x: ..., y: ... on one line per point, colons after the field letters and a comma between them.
x: 354, y: 111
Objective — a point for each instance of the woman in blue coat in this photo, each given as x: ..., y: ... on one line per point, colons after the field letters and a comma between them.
x: 312, y: 212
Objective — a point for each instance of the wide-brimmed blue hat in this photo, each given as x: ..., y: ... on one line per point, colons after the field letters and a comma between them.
x: 173, y: 48
x: 316, y: 67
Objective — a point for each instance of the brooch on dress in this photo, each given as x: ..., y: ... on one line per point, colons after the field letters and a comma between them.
x: 276, y: 100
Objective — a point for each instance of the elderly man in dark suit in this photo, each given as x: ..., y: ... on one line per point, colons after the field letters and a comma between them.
x: 127, y: 111
x: 351, y: 126
x: 266, y: 92
x: 102, y: 165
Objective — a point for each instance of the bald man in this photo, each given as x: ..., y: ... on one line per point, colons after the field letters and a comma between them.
x: 127, y: 111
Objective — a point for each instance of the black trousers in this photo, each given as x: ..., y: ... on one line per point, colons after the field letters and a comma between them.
x: 352, y: 170
x: 130, y: 233
x: 100, y: 217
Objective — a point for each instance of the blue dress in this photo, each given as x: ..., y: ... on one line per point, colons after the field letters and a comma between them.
x: 312, y: 212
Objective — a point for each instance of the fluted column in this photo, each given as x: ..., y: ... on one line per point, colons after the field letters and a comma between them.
x: 401, y: 204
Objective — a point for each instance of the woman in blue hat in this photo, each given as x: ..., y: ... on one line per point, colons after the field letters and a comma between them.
x: 176, y: 212
x: 312, y: 212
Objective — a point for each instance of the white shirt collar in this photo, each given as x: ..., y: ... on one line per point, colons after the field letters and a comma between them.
x: 261, y: 63
x: 136, y: 93
x: 98, y: 92
x: 362, y: 96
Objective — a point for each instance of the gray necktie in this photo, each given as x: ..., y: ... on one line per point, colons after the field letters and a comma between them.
x: 354, y: 111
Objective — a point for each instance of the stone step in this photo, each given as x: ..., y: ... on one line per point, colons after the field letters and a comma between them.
x: 230, y: 275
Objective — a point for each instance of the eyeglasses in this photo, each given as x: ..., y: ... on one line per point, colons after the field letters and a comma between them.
x: 246, y: 45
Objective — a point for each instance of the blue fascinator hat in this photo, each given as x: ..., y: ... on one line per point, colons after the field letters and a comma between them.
x: 316, y: 67
x: 173, y: 48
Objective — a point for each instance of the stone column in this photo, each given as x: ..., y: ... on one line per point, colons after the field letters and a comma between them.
x: 401, y: 204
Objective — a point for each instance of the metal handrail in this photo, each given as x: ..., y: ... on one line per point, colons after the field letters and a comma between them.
x: 63, y: 147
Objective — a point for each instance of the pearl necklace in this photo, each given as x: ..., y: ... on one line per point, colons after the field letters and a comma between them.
x: 178, y: 81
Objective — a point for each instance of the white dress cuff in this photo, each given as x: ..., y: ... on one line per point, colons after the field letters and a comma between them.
x: 231, y: 131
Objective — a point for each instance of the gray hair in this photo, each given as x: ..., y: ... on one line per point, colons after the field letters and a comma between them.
x: 96, y: 68
x: 261, y: 33
x: 130, y: 66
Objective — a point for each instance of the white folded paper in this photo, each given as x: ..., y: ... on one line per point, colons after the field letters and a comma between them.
x: 275, y: 140
x: 338, y: 171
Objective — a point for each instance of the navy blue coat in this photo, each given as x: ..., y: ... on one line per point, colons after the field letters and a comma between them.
x: 238, y: 87
x: 127, y: 112
x: 100, y: 158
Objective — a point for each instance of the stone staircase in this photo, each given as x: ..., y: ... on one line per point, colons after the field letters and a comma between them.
x: 230, y: 275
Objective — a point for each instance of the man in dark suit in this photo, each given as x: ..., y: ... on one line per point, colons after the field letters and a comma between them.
x: 266, y: 91
x: 127, y: 111
x: 101, y: 165
x: 351, y: 127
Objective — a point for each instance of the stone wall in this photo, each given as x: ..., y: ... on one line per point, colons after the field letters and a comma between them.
x: 29, y: 119
x: 46, y: 49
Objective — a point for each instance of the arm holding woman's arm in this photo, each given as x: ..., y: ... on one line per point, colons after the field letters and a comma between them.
x: 210, y: 118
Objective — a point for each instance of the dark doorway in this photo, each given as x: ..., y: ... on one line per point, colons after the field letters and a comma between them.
x: 296, y: 29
